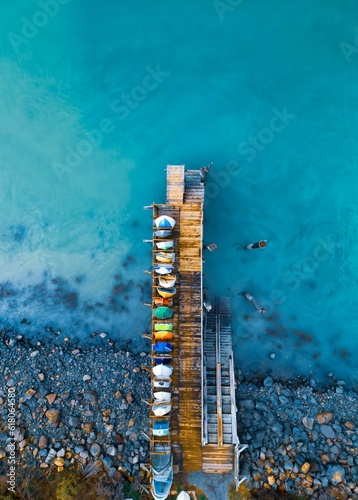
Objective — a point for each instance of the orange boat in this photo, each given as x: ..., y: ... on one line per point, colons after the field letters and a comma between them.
x: 163, y: 335
x: 159, y: 301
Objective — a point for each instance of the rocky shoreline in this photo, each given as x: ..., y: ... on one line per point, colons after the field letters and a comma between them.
x: 301, y: 439
x: 83, y: 407
x: 74, y: 406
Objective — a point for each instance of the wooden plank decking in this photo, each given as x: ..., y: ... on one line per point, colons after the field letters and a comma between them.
x: 190, y: 315
x: 203, y: 412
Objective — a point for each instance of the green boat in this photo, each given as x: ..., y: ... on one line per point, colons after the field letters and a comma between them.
x: 163, y: 327
x: 163, y: 312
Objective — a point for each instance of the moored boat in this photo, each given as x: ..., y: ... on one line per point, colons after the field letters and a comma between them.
x: 163, y: 268
x: 167, y: 281
x: 161, y: 408
x: 160, y: 301
x: 162, y: 383
x: 162, y: 396
x: 162, y: 233
x: 161, y: 460
x: 162, y: 371
x: 161, y: 427
x: 163, y: 312
x: 166, y: 258
x: 162, y: 348
x: 163, y: 326
x: 163, y: 335
x: 161, y: 489
x: 165, y: 222
x: 165, y: 245
x: 163, y: 359
x: 167, y: 293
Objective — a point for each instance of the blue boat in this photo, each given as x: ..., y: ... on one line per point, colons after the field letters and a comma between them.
x: 162, y: 347
x: 161, y: 427
x: 163, y: 268
x: 161, y: 488
x: 163, y: 360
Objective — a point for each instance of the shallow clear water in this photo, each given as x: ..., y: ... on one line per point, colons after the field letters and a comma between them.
x: 270, y: 74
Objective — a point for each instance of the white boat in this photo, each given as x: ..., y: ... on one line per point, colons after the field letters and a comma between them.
x: 165, y: 245
x: 164, y: 222
x: 183, y: 495
x: 162, y: 383
x: 162, y: 370
x: 161, y: 409
x: 163, y: 268
x: 167, y: 281
x: 162, y: 233
x: 162, y: 396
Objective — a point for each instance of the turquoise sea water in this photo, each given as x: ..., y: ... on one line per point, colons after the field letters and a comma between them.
x: 264, y: 90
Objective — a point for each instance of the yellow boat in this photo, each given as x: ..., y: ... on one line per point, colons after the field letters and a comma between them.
x: 167, y: 293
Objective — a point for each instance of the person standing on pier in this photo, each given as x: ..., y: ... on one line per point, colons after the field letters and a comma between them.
x: 204, y: 171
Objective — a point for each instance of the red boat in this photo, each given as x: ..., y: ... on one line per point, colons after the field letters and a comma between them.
x: 159, y: 301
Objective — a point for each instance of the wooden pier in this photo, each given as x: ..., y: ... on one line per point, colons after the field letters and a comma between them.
x: 203, y: 433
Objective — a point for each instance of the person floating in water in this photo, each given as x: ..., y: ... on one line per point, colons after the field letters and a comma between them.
x: 212, y: 247
x: 258, y: 244
x: 250, y: 298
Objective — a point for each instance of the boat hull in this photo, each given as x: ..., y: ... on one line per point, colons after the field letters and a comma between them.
x: 163, y: 326
x: 166, y: 293
x: 161, y: 409
x: 162, y: 348
x: 162, y: 371
x: 163, y: 312
x: 165, y: 222
x: 162, y: 233
x: 165, y: 245
x: 163, y: 335
x: 163, y: 269
x: 163, y: 360
x: 167, y: 281
x: 160, y: 383
x: 162, y: 396
x: 166, y: 258
x: 160, y: 301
